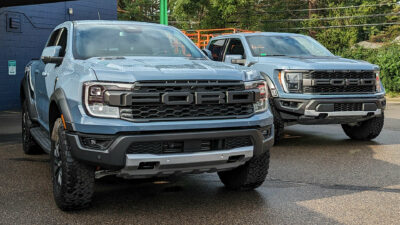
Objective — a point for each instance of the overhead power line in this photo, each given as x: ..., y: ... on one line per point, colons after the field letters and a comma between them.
x: 332, y: 8
x: 340, y: 26
x: 336, y: 18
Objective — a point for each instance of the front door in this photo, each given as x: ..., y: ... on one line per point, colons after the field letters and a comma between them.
x: 45, y: 82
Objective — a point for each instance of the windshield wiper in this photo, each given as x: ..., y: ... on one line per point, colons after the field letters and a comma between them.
x: 274, y: 55
x: 196, y: 58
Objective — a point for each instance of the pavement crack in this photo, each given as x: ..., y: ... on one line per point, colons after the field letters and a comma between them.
x: 338, y: 186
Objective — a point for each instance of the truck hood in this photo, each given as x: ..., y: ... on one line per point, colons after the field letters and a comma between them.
x: 131, y: 69
x: 317, y: 63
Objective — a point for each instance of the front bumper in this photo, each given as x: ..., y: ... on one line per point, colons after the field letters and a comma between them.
x: 115, y: 157
x: 330, y: 111
x: 198, y: 162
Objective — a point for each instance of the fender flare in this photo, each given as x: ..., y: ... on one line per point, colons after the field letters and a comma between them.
x: 23, y: 89
x: 27, y: 93
x: 271, y: 85
x: 60, y: 99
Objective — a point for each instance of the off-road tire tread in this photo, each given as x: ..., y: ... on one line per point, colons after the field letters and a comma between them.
x: 248, y: 176
x: 279, y: 124
x: 78, y: 179
x: 367, y: 130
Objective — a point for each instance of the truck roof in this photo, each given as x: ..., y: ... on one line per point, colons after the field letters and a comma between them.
x: 114, y: 22
x: 257, y: 34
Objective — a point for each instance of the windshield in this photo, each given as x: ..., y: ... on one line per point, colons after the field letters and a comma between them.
x: 131, y: 40
x: 296, y: 46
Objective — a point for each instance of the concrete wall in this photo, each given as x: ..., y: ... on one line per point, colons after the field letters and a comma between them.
x: 27, y: 42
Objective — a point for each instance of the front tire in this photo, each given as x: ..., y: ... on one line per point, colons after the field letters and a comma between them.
x: 73, y: 181
x: 248, y: 176
x: 365, y: 130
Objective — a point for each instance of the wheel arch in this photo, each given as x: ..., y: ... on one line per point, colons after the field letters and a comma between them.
x: 59, y: 106
x: 22, y: 94
x: 271, y: 85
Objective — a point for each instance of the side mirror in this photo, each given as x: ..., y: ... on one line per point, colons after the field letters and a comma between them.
x: 235, y: 59
x: 208, y: 53
x: 52, y: 55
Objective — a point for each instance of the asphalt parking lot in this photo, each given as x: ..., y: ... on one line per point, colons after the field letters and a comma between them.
x: 317, y: 176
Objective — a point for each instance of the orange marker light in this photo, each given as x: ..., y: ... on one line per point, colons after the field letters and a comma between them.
x: 63, y: 121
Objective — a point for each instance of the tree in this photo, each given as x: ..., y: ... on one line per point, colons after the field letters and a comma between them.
x: 139, y: 10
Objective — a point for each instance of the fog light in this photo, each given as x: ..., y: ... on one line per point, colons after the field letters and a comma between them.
x: 266, y: 132
x: 96, y: 143
x: 290, y: 104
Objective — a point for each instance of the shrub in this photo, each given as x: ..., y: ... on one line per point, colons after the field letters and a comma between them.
x: 388, y: 59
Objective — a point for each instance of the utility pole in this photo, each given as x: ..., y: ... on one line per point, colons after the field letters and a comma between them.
x: 164, y: 12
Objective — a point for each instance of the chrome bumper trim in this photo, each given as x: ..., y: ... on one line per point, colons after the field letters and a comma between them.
x: 197, y: 162
x: 342, y: 113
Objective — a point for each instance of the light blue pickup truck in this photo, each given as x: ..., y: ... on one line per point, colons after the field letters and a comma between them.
x: 141, y: 100
x: 308, y: 84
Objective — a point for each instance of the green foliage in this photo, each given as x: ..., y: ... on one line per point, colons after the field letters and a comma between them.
x: 388, y: 59
x: 139, y: 10
x: 208, y: 14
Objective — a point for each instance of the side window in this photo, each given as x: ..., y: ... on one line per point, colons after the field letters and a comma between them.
x: 235, y: 47
x: 217, y: 49
x: 63, y: 42
x: 53, y: 38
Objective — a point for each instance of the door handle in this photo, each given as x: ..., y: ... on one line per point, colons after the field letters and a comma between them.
x: 36, y: 72
x: 45, y: 74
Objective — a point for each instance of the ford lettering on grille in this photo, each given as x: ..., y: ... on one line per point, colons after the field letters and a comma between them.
x: 339, y: 82
x: 182, y: 98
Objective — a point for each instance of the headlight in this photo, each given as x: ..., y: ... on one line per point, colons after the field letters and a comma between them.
x: 291, y: 81
x: 93, y: 96
x: 262, y: 104
x: 378, y: 82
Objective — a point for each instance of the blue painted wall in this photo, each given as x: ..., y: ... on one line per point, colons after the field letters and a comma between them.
x: 37, y: 21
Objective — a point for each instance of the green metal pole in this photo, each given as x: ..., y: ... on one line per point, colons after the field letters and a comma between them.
x: 164, y: 12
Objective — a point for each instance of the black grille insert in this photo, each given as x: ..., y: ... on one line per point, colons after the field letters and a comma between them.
x: 142, y: 109
x: 337, y: 82
x: 339, y: 89
x: 343, y: 107
x: 165, y: 147
x: 342, y: 75
x: 154, y: 112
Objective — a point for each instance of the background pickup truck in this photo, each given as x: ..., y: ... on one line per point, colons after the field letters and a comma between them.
x: 308, y: 84
x: 141, y: 100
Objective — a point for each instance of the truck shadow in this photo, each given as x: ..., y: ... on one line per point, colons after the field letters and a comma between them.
x: 192, y: 199
x: 309, y: 165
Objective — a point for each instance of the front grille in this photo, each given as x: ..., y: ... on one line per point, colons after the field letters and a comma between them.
x: 338, y: 82
x: 190, y: 85
x: 186, y: 111
x: 342, y: 74
x: 327, y: 89
x: 143, y: 109
x: 167, y: 147
x: 342, y: 107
